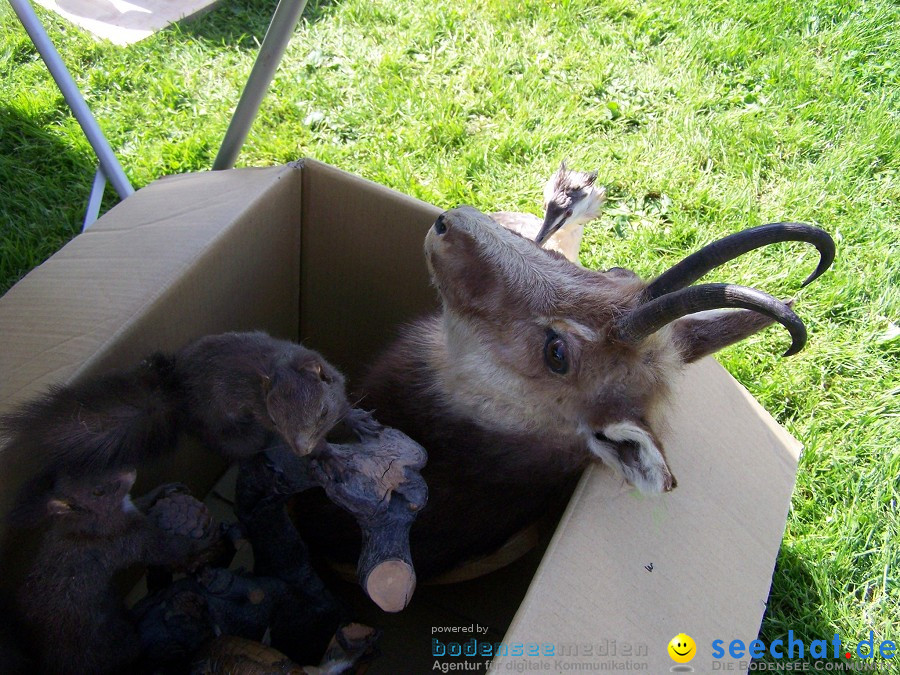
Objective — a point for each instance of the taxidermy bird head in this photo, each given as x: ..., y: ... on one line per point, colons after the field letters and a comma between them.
x: 571, y: 199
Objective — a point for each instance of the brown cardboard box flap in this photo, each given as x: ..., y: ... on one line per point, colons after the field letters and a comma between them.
x: 625, y: 574
x: 183, y: 257
x: 66, y: 314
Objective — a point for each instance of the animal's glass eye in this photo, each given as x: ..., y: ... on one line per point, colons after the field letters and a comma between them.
x: 439, y: 225
x: 556, y: 354
x: 99, y: 491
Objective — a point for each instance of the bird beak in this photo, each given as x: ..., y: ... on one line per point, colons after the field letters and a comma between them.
x: 554, y: 220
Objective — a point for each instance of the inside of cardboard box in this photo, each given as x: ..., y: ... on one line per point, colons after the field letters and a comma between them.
x: 480, y: 608
x: 361, y: 274
x: 361, y: 251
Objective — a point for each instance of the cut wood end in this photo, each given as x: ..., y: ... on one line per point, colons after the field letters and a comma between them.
x: 356, y: 632
x: 390, y: 585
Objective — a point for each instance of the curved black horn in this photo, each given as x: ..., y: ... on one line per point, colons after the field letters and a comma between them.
x: 649, y: 317
x: 712, y: 255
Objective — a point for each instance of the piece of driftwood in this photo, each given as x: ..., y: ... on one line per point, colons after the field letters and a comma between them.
x: 351, y: 646
x: 176, y: 622
x: 77, y: 620
x: 307, y: 617
x: 376, y: 480
x: 173, y: 624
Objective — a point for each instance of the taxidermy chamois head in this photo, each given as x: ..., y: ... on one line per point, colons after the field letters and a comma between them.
x: 536, y: 344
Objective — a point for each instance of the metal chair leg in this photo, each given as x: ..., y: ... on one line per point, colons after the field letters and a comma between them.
x: 94, y: 199
x: 285, y: 19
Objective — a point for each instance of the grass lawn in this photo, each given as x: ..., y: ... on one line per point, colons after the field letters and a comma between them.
x: 702, y: 118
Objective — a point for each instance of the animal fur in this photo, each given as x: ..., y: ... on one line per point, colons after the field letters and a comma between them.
x: 77, y: 621
x: 235, y: 391
x: 519, y: 383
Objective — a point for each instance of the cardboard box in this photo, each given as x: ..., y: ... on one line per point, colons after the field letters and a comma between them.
x: 312, y: 253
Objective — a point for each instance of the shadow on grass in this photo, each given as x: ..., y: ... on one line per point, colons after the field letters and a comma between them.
x: 794, y: 603
x: 243, y: 23
x: 45, y: 185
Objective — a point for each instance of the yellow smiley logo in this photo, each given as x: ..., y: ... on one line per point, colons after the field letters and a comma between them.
x: 682, y: 648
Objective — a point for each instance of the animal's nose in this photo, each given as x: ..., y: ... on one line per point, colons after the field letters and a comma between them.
x: 440, y: 225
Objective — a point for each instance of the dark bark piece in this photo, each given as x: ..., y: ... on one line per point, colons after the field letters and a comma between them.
x: 308, y: 615
x: 173, y: 623
x: 229, y: 654
x: 242, y: 604
x: 378, y: 482
x: 176, y: 622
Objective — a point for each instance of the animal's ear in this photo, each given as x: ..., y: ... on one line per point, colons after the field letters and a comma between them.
x: 707, y: 332
x: 315, y: 367
x: 591, y: 178
x: 265, y: 382
x: 57, y: 507
x: 630, y: 448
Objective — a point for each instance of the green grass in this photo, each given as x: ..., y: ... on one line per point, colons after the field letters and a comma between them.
x: 703, y: 118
